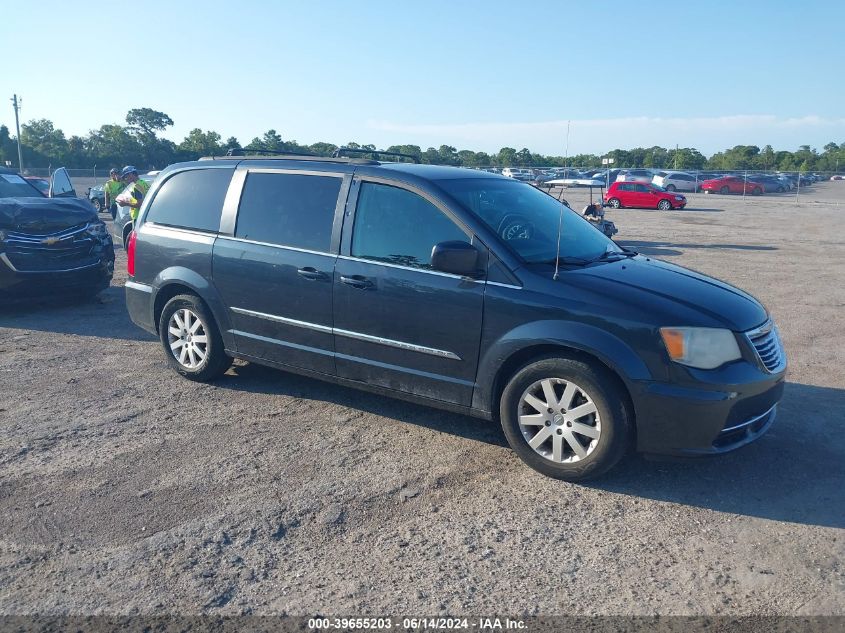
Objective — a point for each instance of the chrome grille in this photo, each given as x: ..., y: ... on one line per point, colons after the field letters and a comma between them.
x: 54, y: 252
x: 767, y: 344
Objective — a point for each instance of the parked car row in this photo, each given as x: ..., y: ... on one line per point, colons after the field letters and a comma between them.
x: 671, y: 180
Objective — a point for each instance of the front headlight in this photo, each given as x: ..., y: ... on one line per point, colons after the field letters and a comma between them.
x: 679, y: 198
x: 97, y: 229
x: 701, y: 347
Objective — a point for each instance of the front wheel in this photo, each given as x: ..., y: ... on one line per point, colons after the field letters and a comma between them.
x: 565, y: 418
x: 664, y: 205
x: 614, y: 203
x: 670, y: 187
x: 192, y: 344
x: 756, y: 191
x: 97, y: 205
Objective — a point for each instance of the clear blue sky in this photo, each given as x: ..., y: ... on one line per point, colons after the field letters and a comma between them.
x: 476, y: 75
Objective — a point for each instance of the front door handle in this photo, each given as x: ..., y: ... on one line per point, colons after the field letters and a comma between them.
x: 356, y: 281
x: 311, y: 273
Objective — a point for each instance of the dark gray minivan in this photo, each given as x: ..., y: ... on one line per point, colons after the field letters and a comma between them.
x: 455, y: 288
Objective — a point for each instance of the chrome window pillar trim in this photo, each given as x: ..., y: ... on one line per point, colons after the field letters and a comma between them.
x: 164, y: 230
x: 419, y: 270
x: 270, y: 244
x: 134, y: 285
x: 503, y: 285
x: 422, y: 349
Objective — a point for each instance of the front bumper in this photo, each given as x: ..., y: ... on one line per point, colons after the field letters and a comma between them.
x: 87, y: 279
x: 689, y: 421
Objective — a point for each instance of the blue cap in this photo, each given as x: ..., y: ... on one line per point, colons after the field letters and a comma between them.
x: 129, y: 169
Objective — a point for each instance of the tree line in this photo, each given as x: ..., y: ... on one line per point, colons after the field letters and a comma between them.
x: 139, y: 142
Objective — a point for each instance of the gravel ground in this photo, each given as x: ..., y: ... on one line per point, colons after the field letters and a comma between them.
x: 125, y: 489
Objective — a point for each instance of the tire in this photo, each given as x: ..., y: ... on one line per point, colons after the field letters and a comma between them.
x: 98, y: 207
x: 724, y: 191
x: 671, y: 188
x: 607, y: 427
x: 614, y: 203
x: 756, y: 191
x: 185, y: 309
x: 664, y: 205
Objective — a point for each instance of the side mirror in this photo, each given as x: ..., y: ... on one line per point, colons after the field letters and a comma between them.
x: 458, y: 258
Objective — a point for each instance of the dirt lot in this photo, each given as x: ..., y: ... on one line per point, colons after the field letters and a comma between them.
x: 126, y: 489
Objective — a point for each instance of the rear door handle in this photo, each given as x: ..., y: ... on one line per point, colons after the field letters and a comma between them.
x: 356, y: 281
x: 311, y: 273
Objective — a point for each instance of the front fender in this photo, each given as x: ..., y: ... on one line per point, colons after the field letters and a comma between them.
x: 199, y: 285
x: 606, y: 347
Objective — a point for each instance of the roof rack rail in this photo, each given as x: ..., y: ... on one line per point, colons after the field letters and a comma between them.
x: 338, y: 153
x: 239, y: 151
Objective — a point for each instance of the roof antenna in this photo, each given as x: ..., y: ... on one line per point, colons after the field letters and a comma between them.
x: 559, y: 231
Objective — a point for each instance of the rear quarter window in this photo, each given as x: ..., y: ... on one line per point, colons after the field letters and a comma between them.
x: 191, y: 199
x: 294, y: 210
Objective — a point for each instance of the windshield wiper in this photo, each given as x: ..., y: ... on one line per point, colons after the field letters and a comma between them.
x: 624, y: 253
x: 567, y: 260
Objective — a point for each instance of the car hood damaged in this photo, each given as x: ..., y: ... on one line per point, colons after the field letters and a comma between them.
x: 37, y: 216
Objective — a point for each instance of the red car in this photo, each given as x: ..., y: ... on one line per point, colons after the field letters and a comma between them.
x: 643, y: 195
x: 732, y: 184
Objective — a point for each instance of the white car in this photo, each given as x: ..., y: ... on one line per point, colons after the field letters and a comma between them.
x: 519, y: 174
x: 677, y: 181
x: 636, y: 175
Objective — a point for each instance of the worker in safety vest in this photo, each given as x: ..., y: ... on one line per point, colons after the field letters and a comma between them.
x: 114, y: 185
x: 136, y: 194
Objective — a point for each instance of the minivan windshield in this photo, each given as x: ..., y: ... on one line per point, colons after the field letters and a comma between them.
x: 527, y: 220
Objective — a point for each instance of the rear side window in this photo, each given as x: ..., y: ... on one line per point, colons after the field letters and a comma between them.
x: 191, y: 199
x: 289, y: 210
x: 397, y: 226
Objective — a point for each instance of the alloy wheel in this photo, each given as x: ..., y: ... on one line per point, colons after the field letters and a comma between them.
x: 559, y: 420
x: 188, y: 339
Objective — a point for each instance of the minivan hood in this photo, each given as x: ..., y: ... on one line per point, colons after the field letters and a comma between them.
x: 672, y: 292
x: 40, y: 216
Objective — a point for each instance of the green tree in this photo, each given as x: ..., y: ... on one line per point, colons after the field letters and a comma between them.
x: 41, y: 142
x: 148, y: 121
x: 322, y: 149
x: 199, y: 143
x: 7, y: 146
x: 411, y: 150
x: 506, y: 157
x: 231, y: 143
x: 113, y: 145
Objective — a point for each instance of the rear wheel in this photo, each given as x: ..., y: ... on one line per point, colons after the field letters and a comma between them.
x: 614, y: 203
x: 191, y: 341
x: 670, y: 188
x: 664, y: 205
x: 565, y: 418
x: 724, y: 191
x: 756, y: 191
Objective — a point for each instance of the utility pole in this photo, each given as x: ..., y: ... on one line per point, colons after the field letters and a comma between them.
x: 566, y: 155
x: 17, y: 103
